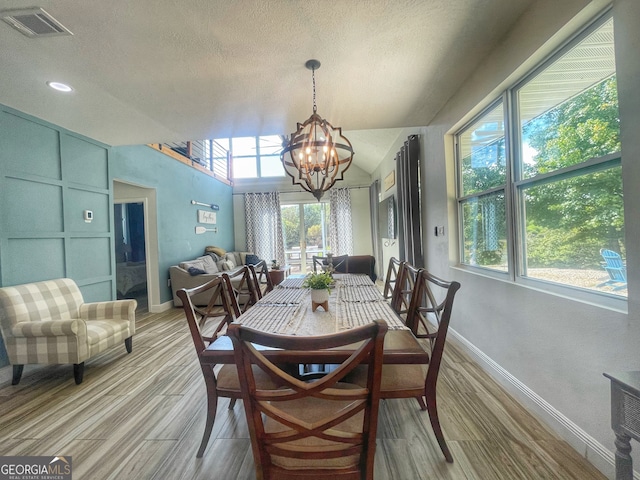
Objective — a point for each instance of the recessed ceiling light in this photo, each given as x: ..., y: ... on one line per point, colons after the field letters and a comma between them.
x: 61, y: 87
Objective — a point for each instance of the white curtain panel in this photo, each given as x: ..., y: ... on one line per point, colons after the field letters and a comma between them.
x: 264, y: 226
x: 340, y: 231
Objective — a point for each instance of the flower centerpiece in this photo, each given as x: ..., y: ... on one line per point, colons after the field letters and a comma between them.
x: 320, y: 285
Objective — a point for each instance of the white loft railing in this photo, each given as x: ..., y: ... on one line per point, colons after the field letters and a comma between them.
x: 206, y: 155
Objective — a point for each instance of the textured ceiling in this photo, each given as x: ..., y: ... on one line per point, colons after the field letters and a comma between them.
x: 156, y: 71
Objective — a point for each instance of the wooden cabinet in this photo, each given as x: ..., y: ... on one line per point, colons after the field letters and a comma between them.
x: 277, y: 276
x: 625, y: 418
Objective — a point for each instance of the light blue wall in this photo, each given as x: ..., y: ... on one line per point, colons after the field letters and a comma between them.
x: 49, y: 176
x: 176, y: 185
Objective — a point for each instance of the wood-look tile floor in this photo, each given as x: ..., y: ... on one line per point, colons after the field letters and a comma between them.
x: 141, y: 416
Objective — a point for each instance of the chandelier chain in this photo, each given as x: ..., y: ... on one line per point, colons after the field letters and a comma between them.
x: 313, y: 76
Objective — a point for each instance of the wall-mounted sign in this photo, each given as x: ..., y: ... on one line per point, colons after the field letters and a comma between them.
x: 390, y: 180
x: 201, y: 230
x: 205, y: 216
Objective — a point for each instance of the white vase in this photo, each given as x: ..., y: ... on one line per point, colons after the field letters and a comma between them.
x: 319, y: 295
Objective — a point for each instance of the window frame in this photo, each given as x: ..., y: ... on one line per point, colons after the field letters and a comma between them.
x: 460, y: 200
x: 258, y: 159
x: 515, y: 184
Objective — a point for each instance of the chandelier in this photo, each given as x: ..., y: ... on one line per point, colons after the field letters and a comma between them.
x: 317, y: 154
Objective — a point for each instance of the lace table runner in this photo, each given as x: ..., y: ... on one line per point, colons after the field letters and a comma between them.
x: 292, y: 319
x: 351, y: 315
x: 291, y: 282
x: 353, y: 279
x: 279, y: 319
x: 284, y: 296
x: 368, y: 293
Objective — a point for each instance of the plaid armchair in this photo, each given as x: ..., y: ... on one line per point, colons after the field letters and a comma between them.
x: 49, y: 323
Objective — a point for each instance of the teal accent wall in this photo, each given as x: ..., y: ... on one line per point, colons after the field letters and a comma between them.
x: 48, y: 177
x: 176, y: 184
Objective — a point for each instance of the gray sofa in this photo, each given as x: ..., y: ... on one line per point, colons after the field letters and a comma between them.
x: 211, y: 264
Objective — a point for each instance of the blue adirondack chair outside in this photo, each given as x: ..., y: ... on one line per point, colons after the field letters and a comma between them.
x: 616, y: 269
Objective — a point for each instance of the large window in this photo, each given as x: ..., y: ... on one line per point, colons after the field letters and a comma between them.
x: 255, y: 157
x: 540, y: 183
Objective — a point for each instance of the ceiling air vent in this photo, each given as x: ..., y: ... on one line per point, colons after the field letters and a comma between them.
x: 34, y: 22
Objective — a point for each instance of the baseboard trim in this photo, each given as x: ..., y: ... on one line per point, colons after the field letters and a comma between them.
x: 6, y: 374
x: 592, y: 450
x: 162, y: 307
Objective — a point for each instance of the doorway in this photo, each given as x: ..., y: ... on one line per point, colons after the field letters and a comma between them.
x: 305, y: 232
x: 130, y: 251
x: 126, y: 192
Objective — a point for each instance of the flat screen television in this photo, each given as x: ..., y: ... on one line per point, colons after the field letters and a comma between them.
x: 388, y: 218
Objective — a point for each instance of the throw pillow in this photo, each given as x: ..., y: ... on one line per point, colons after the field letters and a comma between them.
x: 241, y: 258
x: 209, y: 264
x: 252, y: 259
x: 215, y: 256
x: 211, y: 268
x: 230, y: 257
x: 230, y: 264
x: 222, y: 265
x: 195, y: 271
x: 192, y: 263
x: 217, y: 250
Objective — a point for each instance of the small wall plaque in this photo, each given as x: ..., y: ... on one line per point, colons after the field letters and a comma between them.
x: 390, y: 180
x: 206, y: 217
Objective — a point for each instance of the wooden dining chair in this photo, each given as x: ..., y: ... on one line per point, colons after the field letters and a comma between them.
x: 403, y: 289
x: 245, y: 285
x: 226, y: 383
x: 321, y: 429
x: 391, y: 278
x: 261, y: 278
x: 321, y: 263
x: 433, y: 299
x: 219, y: 307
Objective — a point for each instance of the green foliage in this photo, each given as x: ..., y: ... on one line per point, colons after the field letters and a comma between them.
x: 313, y: 213
x: 585, y: 126
x: 318, y: 281
x: 554, y: 248
x: 291, y: 225
x: 485, y: 168
x: 314, y: 235
x: 574, y: 217
x: 489, y: 257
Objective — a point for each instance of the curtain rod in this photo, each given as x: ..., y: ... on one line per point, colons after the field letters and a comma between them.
x: 298, y: 191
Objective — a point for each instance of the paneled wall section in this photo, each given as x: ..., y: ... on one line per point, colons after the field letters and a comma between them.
x: 48, y: 177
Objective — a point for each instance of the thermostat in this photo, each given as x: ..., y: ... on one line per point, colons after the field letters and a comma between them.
x: 88, y: 216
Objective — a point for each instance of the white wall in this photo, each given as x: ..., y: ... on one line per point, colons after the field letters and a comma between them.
x: 549, y: 351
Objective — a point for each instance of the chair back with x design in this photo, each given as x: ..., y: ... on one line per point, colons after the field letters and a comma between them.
x: 403, y: 290
x: 392, y: 276
x: 323, y: 428
x: 245, y: 286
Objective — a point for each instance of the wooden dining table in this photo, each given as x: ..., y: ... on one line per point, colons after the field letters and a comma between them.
x: 354, y: 301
